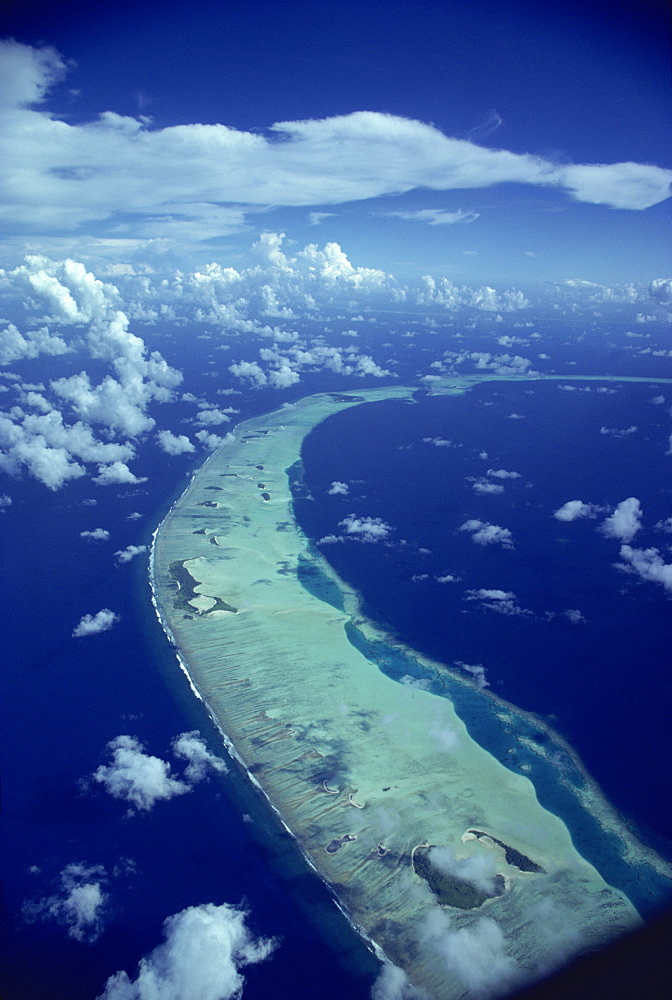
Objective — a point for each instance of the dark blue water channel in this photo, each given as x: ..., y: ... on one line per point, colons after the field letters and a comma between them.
x: 599, y: 678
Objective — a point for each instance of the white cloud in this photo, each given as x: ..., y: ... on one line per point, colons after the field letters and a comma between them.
x: 170, y: 181
x: 648, y: 564
x: 437, y: 441
x: 502, y: 474
x: 204, y: 949
x: 28, y: 73
x: 14, y: 346
x: 213, y: 441
x: 249, y: 370
x: 117, y: 472
x: 96, y: 535
x: 447, y: 578
x: 478, y: 869
x: 94, y: 624
x: 483, y: 485
x: 190, y: 747
x: 142, y: 779
x: 625, y: 522
x: 661, y: 290
x: 475, y: 954
x: 436, y: 216
x: 365, y: 529
x: 665, y: 525
x: 78, y: 905
x: 136, y: 777
x: 49, y: 445
x: 502, y: 601
x: 393, y: 984
x: 367, y: 366
x: 338, y: 489
x: 619, y: 432
x: 174, y: 444
x: 574, y: 509
x: 574, y: 616
x: 211, y: 417
x: 130, y: 552
x: 443, y: 292
x: 484, y: 533
x: 477, y: 671
x: 490, y: 595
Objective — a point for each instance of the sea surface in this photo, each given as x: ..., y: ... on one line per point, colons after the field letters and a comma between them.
x: 602, y: 683
x: 599, y: 676
x: 63, y: 700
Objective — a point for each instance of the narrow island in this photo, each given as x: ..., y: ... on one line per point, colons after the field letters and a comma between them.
x: 357, y: 763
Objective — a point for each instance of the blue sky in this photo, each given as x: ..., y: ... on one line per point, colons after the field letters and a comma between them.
x: 478, y: 160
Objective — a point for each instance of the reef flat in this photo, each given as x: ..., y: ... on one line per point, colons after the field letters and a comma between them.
x: 442, y: 856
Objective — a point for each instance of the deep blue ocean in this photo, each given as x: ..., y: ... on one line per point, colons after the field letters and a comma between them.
x: 602, y: 683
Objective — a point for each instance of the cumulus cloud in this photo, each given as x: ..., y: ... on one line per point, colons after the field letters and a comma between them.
x: 484, y: 533
x: 483, y: 485
x: 205, y: 948
x: 78, y: 905
x: 116, y: 473
x: 15, y: 346
x: 338, y: 489
x: 141, y: 779
x: 502, y: 474
x: 660, y: 289
x: 191, y: 747
x: 55, y: 444
x: 212, y: 417
x: 625, y: 522
x: 648, y: 564
x: 502, y: 601
x: 130, y: 552
x: 213, y: 441
x: 365, y: 529
x: 93, y: 624
x: 574, y: 509
x: 442, y: 292
x: 136, y: 777
x: 250, y: 371
x: 174, y: 444
x: 96, y: 535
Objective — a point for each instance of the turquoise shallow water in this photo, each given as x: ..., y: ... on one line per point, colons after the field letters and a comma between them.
x: 596, y: 681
